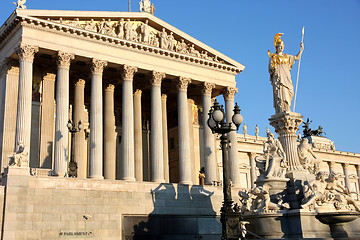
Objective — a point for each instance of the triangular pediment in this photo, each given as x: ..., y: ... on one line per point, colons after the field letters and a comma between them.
x: 132, y: 27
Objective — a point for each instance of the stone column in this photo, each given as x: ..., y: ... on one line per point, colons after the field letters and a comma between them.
x: 23, y: 124
x: 157, y: 160
x: 47, y: 121
x: 358, y: 174
x: 194, y: 177
x: 183, y: 131
x: 109, y: 134
x: 346, y: 173
x: 79, y: 137
x: 331, y: 166
x: 138, y: 136
x: 252, y: 169
x: 9, y: 73
x: 61, y: 155
x: 165, y: 137
x: 128, y: 161
x: 96, y: 120
x: 208, y: 136
x: 286, y: 124
x: 229, y: 96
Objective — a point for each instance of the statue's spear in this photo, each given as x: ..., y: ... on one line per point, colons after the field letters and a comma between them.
x: 297, y: 79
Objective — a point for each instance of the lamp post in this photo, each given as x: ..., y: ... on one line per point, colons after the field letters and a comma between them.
x: 230, y: 216
x: 72, y: 168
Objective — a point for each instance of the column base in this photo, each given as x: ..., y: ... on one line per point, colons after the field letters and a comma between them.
x: 129, y: 179
x: 97, y: 177
x: 186, y: 182
x: 158, y: 181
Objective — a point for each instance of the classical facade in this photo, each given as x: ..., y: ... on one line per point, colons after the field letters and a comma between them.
x: 140, y: 89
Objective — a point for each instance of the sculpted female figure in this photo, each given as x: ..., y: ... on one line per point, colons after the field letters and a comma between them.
x: 280, y: 65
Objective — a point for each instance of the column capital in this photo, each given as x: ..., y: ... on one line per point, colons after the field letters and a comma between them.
x: 163, y: 97
x: 191, y: 101
x: 49, y: 77
x: 63, y: 59
x: 138, y: 92
x: 110, y: 88
x: 97, y: 66
x: 157, y: 77
x: 9, y: 66
x: 183, y: 83
x: 80, y: 83
x: 229, y: 93
x: 345, y: 165
x: 207, y: 88
x: 26, y: 52
x: 331, y: 163
x: 128, y: 72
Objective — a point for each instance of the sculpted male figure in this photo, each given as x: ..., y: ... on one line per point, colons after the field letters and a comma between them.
x: 315, y: 190
x: 280, y: 65
x: 127, y: 28
x: 145, y: 32
x: 21, y: 157
x: 163, y: 39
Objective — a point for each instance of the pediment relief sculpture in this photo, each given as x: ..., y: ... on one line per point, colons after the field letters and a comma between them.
x: 141, y: 32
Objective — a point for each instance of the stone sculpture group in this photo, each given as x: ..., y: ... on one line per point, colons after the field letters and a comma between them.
x: 141, y: 32
x: 285, y: 159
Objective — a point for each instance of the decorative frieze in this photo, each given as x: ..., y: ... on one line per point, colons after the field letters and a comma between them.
x: 26, y: 52
x: 141, y: 32
x: 157, y: 77
x: 128, y: 72
x: 207, y: 88
x: 97, y: 66
x: 229, y: 93
x: 183, y: 83
x: 63, y: 60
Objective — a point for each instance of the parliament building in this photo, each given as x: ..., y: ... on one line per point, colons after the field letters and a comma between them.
x: 103, y: 129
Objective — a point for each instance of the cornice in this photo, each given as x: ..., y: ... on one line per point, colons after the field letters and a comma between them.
x: 50, y: 26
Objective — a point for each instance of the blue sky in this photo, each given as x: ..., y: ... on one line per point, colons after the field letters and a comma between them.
x: 329, y: 82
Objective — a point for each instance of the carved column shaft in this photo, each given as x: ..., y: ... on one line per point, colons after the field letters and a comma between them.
x: 358, y: 174
x: 23, y: 125
x: 79, y: 137
x: 157, y: 160
x: 165, y: 138
x: 127, y: 143
x: 286, y: 125
x: 109, y: 134
x: 346, y: 173
x: 331, y: 166
x: 47, y: 121
x: 138, y: 136
x: 252, y: 169
x: 96, y: 120
x: 229, y: 96
x: 62, y: 114
x: 209, y: 141
x: 183, y: 129
x: 9, y: 98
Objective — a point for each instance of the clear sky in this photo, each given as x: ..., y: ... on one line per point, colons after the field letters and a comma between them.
x: 329, y: 82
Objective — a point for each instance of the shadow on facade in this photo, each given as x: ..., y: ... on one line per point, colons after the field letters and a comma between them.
x: 182, y: 213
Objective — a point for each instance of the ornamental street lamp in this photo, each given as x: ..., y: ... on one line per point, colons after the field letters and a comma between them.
x: 232, y: 226
x: 72, y: 168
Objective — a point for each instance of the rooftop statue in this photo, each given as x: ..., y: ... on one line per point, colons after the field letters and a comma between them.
x: 308, y: 132
x: 146, y: 6
x: 280, y: 65
x: 20, y: 4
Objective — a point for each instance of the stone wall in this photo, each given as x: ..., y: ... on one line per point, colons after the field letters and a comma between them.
x: 56, y: 207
